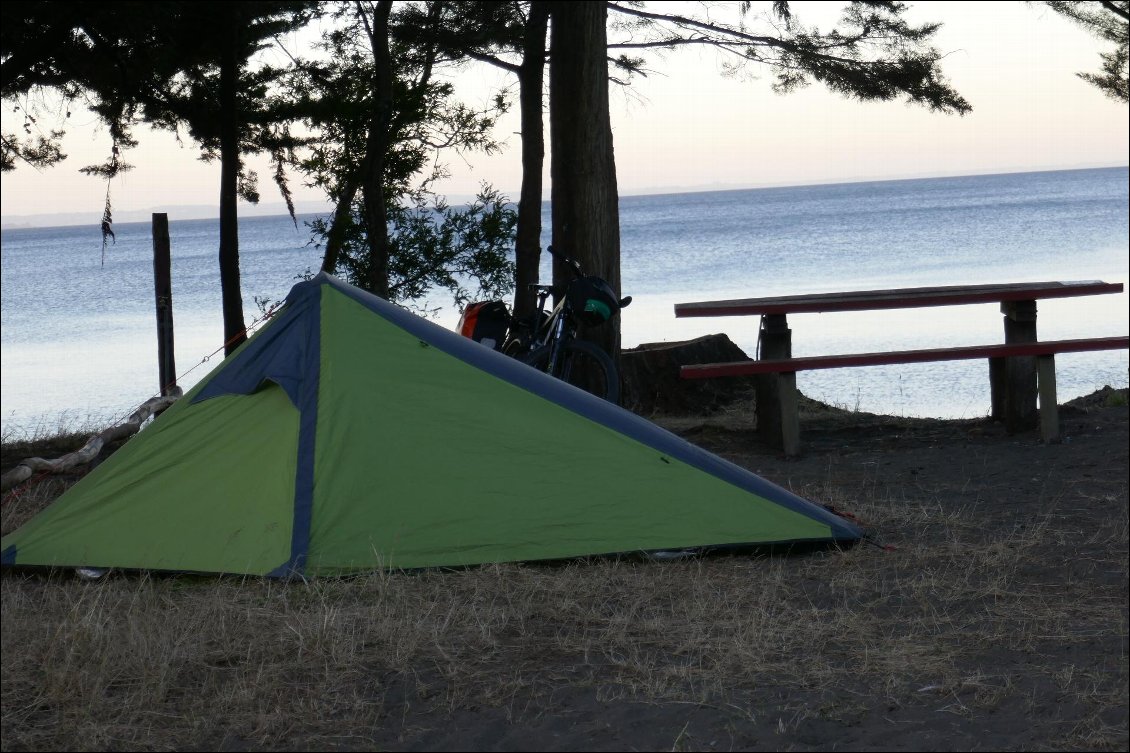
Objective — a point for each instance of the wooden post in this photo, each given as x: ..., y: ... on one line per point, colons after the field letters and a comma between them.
x: 1049, y: 407
x: 1020, y: 395
x: 776, y: 343
x: 163, y: 290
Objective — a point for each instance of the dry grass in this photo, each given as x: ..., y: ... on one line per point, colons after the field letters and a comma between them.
x: 957, y: 625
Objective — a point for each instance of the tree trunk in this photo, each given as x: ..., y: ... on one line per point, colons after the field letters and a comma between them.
x: 234, y: 327
x: 586, y: 221
x: 531, y: 84
x: 335, y: 239
x: 373, y: 191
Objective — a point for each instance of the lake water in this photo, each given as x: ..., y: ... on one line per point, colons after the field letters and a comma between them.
x: 78, y: 343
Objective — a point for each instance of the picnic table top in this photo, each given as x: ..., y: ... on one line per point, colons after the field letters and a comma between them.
x: 861, y: 300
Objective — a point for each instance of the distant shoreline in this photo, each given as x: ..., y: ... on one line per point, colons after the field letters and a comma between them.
x: 209, y: 212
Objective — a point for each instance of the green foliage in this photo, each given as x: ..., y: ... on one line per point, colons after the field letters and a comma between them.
x: 191, y: 100
x: 872, y: 54
x: 1109, y: 21
x: 39, y: 151
x: 128, y: 62
x: 461, y: 250
x: 436, y: 246
x: 430, y: 245
x: 70, y: 51
x: 335, y: 95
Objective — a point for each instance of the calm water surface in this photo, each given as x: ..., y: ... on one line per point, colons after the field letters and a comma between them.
x: 78, y: 337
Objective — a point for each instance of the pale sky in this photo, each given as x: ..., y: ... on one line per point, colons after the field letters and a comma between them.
x: 686, y: 127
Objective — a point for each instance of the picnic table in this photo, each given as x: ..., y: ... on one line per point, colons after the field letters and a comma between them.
x: 1020, y: 369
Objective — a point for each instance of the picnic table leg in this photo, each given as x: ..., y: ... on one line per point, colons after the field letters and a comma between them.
x: 1020, y: 393
x: 775, y: 344
x: 1049, y: 407
x: 998, y: 386
x: 790, y: 415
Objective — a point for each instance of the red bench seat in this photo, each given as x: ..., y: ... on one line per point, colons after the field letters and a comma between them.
x: 1043, y: 351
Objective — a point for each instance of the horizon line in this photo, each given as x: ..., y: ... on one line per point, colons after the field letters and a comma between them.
x: 26, y: 221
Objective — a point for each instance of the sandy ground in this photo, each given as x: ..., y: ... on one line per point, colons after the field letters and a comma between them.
x: 995, y: 619
x: 1067, y: 502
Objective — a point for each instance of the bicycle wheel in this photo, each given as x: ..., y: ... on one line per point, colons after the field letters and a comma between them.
x: 582, y: 365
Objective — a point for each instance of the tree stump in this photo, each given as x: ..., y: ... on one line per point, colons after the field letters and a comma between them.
x: 651, y: 382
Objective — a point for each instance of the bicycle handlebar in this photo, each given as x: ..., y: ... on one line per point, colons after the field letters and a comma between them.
x: 573, y: 264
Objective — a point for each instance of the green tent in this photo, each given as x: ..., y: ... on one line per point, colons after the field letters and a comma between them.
x: 348, y: 435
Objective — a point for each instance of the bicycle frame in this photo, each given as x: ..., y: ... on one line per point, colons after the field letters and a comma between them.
x: 559, y: 330
x: 549, y: 340
x: 546, y: 331
x: 554, y: 328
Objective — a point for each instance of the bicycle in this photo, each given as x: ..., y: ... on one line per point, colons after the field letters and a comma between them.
x: 548, y: 340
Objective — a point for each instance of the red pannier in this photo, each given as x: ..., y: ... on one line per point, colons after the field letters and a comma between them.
x: 485, y: 322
